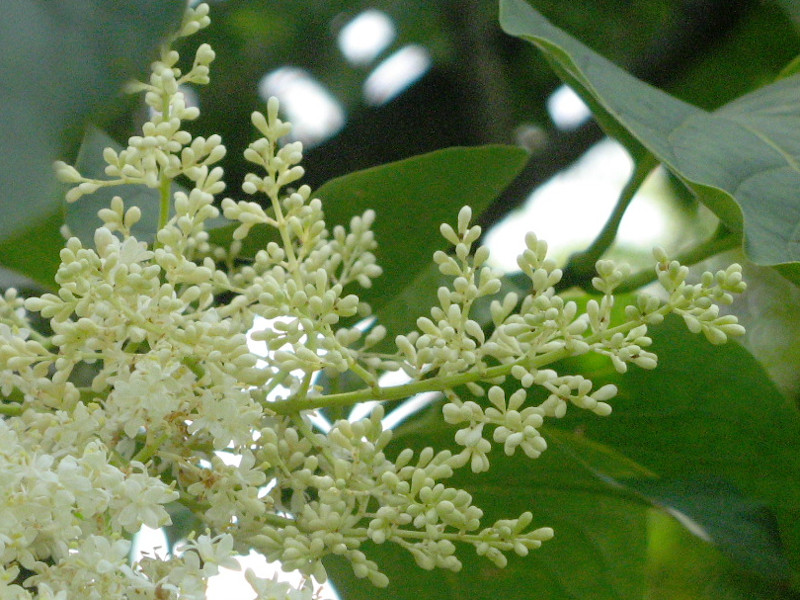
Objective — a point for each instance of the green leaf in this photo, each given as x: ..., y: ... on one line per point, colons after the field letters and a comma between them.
x: 706, y: 412
x: 709, y: 506
x: 34, y: 250
x: 411, y: 197
x: 61, y: 60
x: 742, y: 160
x: 681, y: 566
x: 715, y: 510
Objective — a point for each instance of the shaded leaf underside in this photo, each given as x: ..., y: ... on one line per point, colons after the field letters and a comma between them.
x: 741, y: 160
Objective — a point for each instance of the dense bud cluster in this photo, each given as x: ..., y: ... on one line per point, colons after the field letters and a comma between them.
x: 143, y: 398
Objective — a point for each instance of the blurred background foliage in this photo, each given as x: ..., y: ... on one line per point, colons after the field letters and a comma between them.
x: 466, y: 83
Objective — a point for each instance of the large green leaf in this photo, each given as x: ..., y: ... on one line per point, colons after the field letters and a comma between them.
x: 411, y: 197
x: 707, y: 413
x: 681, y: 566
x: 742, y: 529
x: 711, y: 507
x: 61, y: 60
x: 741, y: 160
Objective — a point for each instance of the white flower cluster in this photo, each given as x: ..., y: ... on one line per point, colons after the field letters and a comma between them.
x: 163, y: 151
x: 540, y: 330
x: 142, y: 397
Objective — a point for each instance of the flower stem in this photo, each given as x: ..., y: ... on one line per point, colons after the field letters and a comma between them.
x: 439, y: 383
x: 11, y: 410
x: 164, y: 201
x: 150, y: 449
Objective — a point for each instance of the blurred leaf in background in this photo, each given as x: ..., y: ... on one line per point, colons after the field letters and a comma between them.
x: 60, y: 62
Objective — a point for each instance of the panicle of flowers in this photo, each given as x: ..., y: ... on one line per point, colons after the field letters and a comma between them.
x: 698, y: 304
x: 540, y: 329
x: 299, y: 280
x: 448, y: 341
x: 143, y: 395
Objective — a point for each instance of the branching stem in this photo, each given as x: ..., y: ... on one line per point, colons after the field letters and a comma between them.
x: 443, y: 382
x: 580, y: 267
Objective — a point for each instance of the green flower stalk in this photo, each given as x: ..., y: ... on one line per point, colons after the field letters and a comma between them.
x: 177, y: 411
